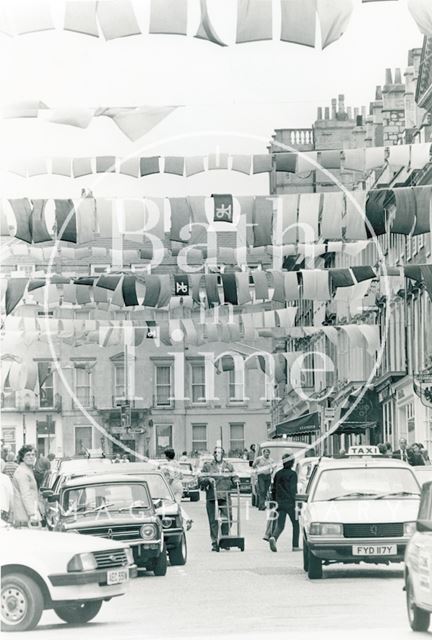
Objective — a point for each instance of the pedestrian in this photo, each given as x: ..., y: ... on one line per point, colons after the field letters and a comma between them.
x: 416, y: 458
x: 402, y: 453
x: 424, y: 453
x: 389, y: 451
x: 41, y: 468
x: 382, y: 448
x: 10, y: 465
x: 26, y: 507
x: 264, y: 467
x: 6, y: 497
x: 342, y: 453
x: 184, y: 456
x: 174, y: 474
x: 251, y: 454
x: 217, y: 478
x: 116, y: 459
x: 310, y: 453
x: 125, y: 458
x: 284, y: 491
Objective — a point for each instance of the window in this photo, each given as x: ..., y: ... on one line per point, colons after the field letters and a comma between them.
x: 236, y: 438
x: 96, y: 269
x: 199, y: 437
x: 163, y: 438
x: 163, y: 385
x: 119, y: 381
x: 83, y: 380
x: 81, y: 314
x: 46, y: 385
x: 198, y: 383
x: 83, y: 439
x: 236, y: 385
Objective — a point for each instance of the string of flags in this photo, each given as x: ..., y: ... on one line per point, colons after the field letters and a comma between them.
x: 362, y: 160
x: 258, y: 221
x: 211, y: 289
x: 254, y: 22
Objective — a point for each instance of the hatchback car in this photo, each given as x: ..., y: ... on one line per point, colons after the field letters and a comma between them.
x: 118, y: 507
x: 358, y: 509
x: 71, y: 574
x: 418, y: 566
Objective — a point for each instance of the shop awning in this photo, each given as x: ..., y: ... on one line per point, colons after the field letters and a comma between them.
x: 306, y: 424
x: 364, y: 415
x: 355, y: 427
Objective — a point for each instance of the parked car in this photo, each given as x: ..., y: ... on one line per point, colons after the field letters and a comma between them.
x: 169, y: 512
x: 190, y: 482
x: 71, y: 574
x: 418, y: 564
x: 67, y: 468
x: 113, y: 506
x: 244, y: 473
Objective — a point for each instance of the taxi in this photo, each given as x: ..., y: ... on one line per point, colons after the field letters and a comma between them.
x: 361, y: 508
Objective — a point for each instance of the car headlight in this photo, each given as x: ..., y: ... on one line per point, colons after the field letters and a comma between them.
x: 326, y: 529
x: 409, y: 528
x: 148, y: 531
x: 71, y: 530
x: 167, y: 522
x: 129, y: 555
x: 82, y: 562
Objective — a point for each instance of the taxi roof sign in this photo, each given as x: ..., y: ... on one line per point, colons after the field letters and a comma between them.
x: 364, y: 450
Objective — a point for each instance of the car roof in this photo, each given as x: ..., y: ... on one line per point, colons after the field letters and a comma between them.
x: 283, y: 442
x: 101, y: 479
x: 363, y: 461
x: 133, y: 467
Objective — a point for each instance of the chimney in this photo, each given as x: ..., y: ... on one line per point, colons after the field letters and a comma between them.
x: 378, y: 92
x: 388, y: 77
x: 320, y: 113
x: 363, y: 111
x: 326, y: 113
x: 359, y: 121
x: 333, y: 108
x: 398, y: 76
x: 349, y: 112
x: 341, y: 100
x: 356, y: 112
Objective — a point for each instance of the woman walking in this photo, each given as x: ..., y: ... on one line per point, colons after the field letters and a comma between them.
x: 26, y: 510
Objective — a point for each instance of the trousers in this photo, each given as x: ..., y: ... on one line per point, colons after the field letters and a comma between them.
x: 280, y: 524
x: 224, y: 512
x: 263, y: 485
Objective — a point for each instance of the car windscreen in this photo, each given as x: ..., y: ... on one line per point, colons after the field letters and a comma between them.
x: 105, y: 496
x: 305, y: 470
x: 241, y: 467
x: 424, y: 474
x: 365, y: 483
x: 158, y: 486
x: 276, y: 453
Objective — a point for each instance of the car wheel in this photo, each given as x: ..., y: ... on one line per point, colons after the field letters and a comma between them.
x: 178, y: 555
x: 22, y: 603
x: 195, y: 497
x: 419, y: 619
x: 161, y: 563
x: 305, y: 556
x: 314, y: 567
x: 80, y: 613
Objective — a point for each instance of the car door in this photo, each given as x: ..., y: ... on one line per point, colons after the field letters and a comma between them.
x: 422, y: 578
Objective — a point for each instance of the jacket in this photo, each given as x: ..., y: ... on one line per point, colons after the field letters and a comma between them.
x: 284, y: 488
x: 224, y: 477
x: 25, y: 495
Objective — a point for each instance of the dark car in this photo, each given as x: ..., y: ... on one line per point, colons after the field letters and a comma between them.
x: 190, y: 482
x: 169, y: 512
x: 244, y: 473
x: 117, y: 507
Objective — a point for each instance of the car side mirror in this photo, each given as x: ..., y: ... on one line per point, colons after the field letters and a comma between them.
x: 302, y: 497
x: 424, y: 526
x: 158, y: 503
x: 53, y: 497
x: 46, y: 493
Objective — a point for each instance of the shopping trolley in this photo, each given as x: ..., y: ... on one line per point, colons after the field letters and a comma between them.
x: 228, y: 515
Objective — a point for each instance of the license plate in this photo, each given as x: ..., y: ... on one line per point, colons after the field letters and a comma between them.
x: 117, y: 576
x: 375, y: 550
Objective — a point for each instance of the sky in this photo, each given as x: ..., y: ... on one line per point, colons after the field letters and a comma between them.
x: 233, y: 97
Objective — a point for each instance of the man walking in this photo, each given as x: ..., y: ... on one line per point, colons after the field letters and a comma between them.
x: 264, y: 466
x: 402, y: 453
x: 217, y: 478
x: 284, y: 491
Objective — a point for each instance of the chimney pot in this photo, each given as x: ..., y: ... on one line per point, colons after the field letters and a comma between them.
x: 333, y: 108
x: 356, y: 112
x: 349, y: 112
x: 378, y: 93
x: 341, y: 99
x: 398, y: 76
x: 388, y: 76
x: 320, y: 113
x: 326, y: 113
x: 363, y: 111
x: 359, y: 121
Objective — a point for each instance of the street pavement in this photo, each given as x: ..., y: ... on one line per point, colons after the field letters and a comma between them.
x: 248, y: 595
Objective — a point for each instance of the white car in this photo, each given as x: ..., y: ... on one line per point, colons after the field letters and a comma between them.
x: 361, y: 508
x: 67, y: 572
x: 418, y: 566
